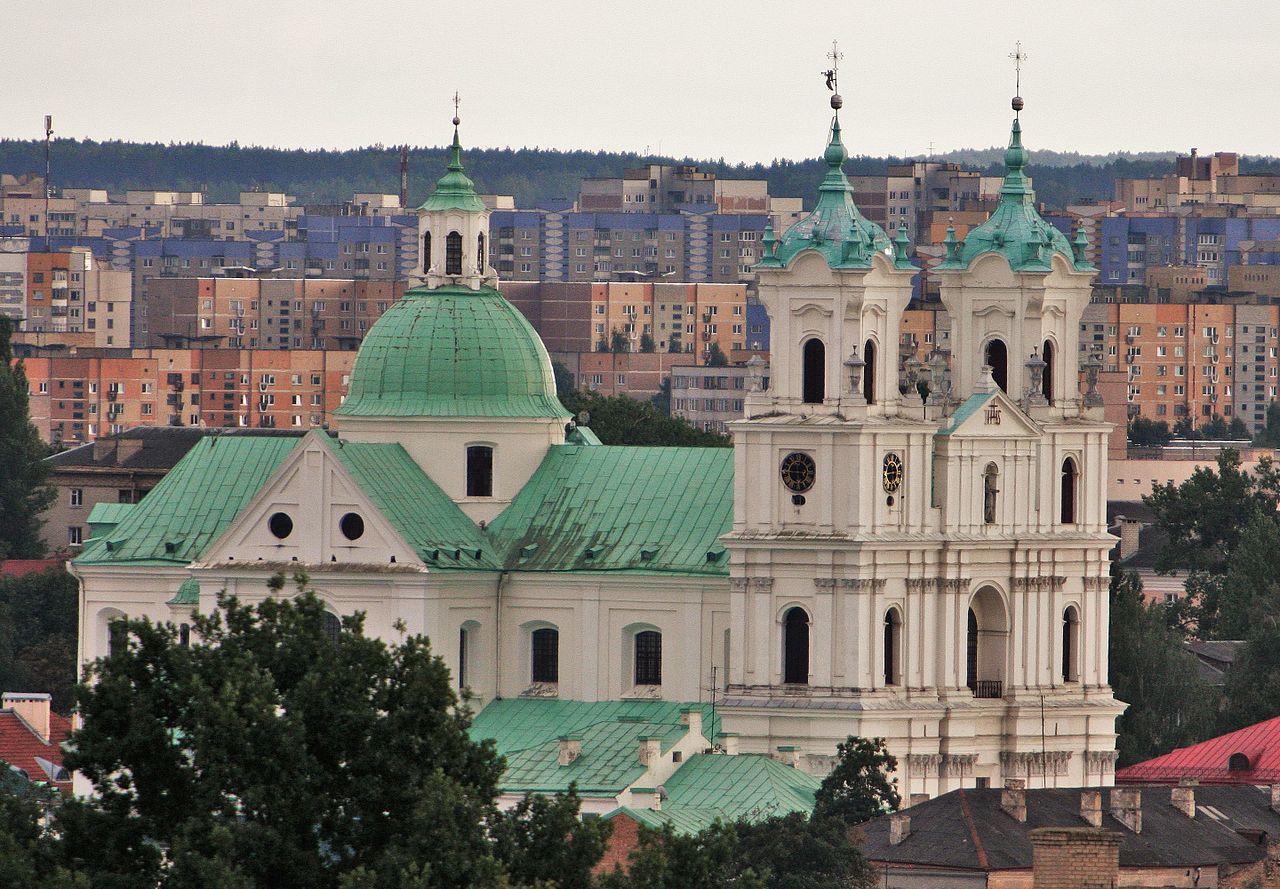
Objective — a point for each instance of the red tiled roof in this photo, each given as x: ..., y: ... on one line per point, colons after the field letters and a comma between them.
x: 19, y: 567
x: 1210, y: 761
x: 19, y: 746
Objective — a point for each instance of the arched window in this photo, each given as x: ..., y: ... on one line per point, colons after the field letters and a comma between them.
x: 795, y: 647
x: 545, y: 655
x: 892, y: 646
x: 426, y: 251
x: 990, y: 493
x: 648, y: 658
x: 1070, y: 642
x: 479, y: 471
x: 453, y: 254
x: 184, y: 635
x: 332, y: 626
x: 971, y: 652
x: 997, y: 358
x: 1238, y: 762
x: 869, y: 372
x: 815, y: 372
x: 117, y: 637
x: 462, y: 657
x: 1069, y: 479
x: 480, y: 253
x: 1046, y: 384
x: 986, y: 644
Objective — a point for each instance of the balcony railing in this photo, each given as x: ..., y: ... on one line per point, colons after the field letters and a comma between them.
x: 988, y: 688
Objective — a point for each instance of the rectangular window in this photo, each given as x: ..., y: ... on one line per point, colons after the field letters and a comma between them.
x: 75, y: 535
x: 77, y: 497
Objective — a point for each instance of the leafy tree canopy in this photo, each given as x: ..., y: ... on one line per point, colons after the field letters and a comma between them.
x: 23, y: 472
x: 38, y: 626
x: 859, y: 787
x: 1146, y: 433
x: 620, y: 420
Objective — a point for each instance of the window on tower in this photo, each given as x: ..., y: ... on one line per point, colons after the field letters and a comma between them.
x: 545, y: 655
x: 1069, y: 483
x: 996, y: 357
x: 1070, y: 644
x: 479, y: 471
x: 480, y: 253
x: 814, y: 381
x: 648, y: 665
x: 1046, y: 385
x: 869, y: 372
x: 892, y: 646
x: 426, y: 251
x: 453, y: 254
x: 795, y: 647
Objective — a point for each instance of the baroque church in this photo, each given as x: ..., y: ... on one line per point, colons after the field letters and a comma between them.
x: 925, y: 563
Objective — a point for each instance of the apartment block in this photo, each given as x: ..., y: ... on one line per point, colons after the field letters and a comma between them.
x: 712, y: 397
x: 75, y: 398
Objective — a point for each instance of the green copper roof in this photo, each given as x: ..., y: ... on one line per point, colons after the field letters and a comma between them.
x: 452, y: 352
x: 1015, y: 230
x: 710, y: 787
x: 967, y: 409
x: 439, y: 532
x: 188, y: 593
x: 454, y: 191
x: 105, y: 516
x: 193, y: 503
x: 527, y: 731
x: 835, y: 228
x: 651, y: 510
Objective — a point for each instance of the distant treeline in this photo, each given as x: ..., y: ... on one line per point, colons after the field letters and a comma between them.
x: 533, y: 175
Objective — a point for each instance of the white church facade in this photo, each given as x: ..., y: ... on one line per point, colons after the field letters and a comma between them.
x: 928, y: 568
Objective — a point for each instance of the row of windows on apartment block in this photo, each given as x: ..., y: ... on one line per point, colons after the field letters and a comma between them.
x: 507, y: 232
x: 176, y: 380
x: 1259, y: 331
x: 619, y: 252
x: 218, y: 262
x: 317, y: 306
x: 688, y: 328
x: 583, y: 268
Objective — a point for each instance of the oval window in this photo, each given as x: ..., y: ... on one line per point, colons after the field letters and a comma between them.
x: 351, y: 526
x: 280, y: 525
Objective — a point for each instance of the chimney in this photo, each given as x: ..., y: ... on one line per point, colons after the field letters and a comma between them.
x: 1126, y: 807
x: 728, y: 742
x: 790, y: 754
x: 570, y: 749
x: 692, y: 717
x: 1184, y: 800
x: 899, y: 828
x: 650, y: 751
x: 1074, y: 857
x: 33, y: 709
x: 1091, y: 807
x: 1130, y: 537
x: 104, y: 449
x: 1013, y: 799
x: 1275, y: 798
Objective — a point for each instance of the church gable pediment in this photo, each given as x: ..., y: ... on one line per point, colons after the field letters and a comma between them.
x: 311, y: 511
x: 990, y: 415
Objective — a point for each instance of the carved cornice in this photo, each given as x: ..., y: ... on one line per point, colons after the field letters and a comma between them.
x: 937, y: 584
x: 1015, y: 765
x: 958, y: 765
x: 863, y: 584
x: 1099, y: 761
x: 1097, y: 584
x: 737, y: 584
x: 924, y: 764
x: 824, y: 584
x: 1040, y: 584
x: 761, y: 584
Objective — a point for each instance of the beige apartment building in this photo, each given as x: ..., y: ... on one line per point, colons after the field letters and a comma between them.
x: 67, y: 292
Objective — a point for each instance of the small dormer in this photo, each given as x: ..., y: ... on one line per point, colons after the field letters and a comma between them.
x: 453, y: 231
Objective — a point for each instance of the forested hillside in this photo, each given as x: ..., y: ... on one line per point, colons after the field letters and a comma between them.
x: 531, y: 174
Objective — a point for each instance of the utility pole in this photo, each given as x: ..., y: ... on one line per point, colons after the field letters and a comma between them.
x: 48, y: 186
x: 404, y: 177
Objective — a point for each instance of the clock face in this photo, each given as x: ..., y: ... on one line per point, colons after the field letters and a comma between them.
x: 798, y: 472
x: 892, y: 475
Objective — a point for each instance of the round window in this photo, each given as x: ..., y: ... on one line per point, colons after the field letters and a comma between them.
x: 351, y: 526
x: 280, y: 525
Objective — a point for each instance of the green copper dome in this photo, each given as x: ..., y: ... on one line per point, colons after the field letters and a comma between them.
x: 835, y: 228
x: 452, y: 352
x: 454, y: 191
x: 1015, y: 230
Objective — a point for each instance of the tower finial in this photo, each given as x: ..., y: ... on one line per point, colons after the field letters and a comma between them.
x: 1018, y: 57
x: 456, y: 120
x: 832, y: 75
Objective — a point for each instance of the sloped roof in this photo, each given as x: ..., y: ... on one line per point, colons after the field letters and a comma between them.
x: 440, y: 533
x: 21, y: 747
x: 1209, y: 760
x: 651, y: 510
x: 188, y: 593
x: 967, y: 829
x: 192, y: 504
x: 527, y: 731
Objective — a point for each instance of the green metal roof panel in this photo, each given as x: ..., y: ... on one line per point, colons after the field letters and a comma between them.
x: 835, y: 228
x: 684, y: 820
x: 452, y: 352
x: 745, y: 786
x: 1016, y: 230
x: 188, y: 593
x: 439, y: 532
x: 967, y: 409
x: 109, y: 513
x: 193, y: 503
x: 651, y: 510
x: 527, y: 731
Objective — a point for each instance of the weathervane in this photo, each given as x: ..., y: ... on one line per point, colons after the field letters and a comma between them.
x: 832, y: 75
x: 456, y: 119
x: 1018, y: 57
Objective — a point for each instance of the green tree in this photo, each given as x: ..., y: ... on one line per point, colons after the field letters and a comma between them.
x: 1150, y: 670
x: 619, y: 343
x: 795, y: 852
x: 28, y: 846
x: 564, y: 379
x: 662, y: 400
x: 646, y: 343
x: 716, y: 356
x: 859, y: 787
x: 619, y: 420
x: 1145, y: 433
x: 1247, y: 594
x: 23, y: 472
x: 38, y: 626
x: 542, y: 840
x: 1251, y: 690
x: 1269, y: 435
x: 1184, y: 428
x: 667, y: 860
x: 269, y: 754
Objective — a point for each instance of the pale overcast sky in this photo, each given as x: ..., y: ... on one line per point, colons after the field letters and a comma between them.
x: 738, y: 79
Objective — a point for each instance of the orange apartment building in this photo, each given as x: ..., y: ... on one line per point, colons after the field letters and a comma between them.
x: 75, y: 398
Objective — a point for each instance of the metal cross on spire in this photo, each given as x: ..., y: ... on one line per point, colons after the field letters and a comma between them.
x: 833, y: 73
x: 456, y: 119
x: 1019, y: 58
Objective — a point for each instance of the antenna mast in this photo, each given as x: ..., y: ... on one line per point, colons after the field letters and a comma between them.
x: 48, y: 186
x: 404, y: 177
